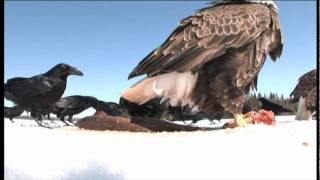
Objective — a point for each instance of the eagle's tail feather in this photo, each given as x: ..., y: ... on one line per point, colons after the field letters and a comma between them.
x: 175, y: 87
x: 141, y: 92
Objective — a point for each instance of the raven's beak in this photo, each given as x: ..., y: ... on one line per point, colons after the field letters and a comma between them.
x: 75, y: 71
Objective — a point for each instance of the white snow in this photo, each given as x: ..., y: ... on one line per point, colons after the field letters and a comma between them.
x: 284, y: 151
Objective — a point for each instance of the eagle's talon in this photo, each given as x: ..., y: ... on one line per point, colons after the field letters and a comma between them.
x: 242, y: 120
x: 241, y: 123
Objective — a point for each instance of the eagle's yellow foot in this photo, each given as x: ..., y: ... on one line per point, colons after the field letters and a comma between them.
x: 240, y: 120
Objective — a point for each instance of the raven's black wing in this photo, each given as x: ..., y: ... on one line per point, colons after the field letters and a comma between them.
x: 34, y: 86
x: 74, y: 101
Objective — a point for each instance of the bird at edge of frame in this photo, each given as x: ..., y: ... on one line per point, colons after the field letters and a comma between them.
x: 212, y: 59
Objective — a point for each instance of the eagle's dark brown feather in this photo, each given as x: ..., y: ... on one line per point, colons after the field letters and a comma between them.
x: 311, y: 100
x: 306, y: 83
x: 206, y: 35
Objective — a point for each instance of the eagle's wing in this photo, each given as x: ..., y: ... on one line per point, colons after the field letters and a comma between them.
x: 306, y: 83
x: 311, y: 99
x: 205, y: 35
x: 36, y: 85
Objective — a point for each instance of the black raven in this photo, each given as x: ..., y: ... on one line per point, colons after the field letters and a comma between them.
x: 40, y: 90
x: 271, y: 106
x: 111, y: 108
x: 186, y: 113
x: 152, y: 108
x: 71, y: 105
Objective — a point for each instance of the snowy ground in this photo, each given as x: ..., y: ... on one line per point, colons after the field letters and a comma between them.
x: 284, y: 151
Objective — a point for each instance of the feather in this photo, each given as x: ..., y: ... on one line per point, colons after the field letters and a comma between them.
x: 174, y: 86
x: 208, y: 30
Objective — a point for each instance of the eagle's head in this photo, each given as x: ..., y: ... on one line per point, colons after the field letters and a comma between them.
x: 269, y: 3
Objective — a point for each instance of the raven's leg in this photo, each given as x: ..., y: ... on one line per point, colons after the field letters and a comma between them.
x: 62, y: 119
x: 212, y: 121
x: 11, y: 119
x: 48, y: 116
x: 37, y: 117
x: 193, y: 121
x: 40, y: 123
x: 70, y: 119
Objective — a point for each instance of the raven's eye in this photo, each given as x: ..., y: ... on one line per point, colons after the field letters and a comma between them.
x: 63, y: 69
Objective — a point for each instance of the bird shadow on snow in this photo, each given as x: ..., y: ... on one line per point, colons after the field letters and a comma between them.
x: 92, y: 170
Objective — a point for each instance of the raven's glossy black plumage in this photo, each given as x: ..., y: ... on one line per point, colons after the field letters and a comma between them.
x: 152, y: 108
x: 72, y: 105
x: 186, y: 113
x: 270, y: 106
x: 110, y: 108
x: 40, y: 90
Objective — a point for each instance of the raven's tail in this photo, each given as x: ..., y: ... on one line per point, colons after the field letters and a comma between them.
x: 11, y: 112
x: 7, y: 94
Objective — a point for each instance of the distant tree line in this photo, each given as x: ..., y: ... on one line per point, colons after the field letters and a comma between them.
x: 252, y: 101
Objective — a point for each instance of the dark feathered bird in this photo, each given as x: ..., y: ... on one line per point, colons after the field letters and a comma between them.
x: 152, y: 108
x: 305, y: 93
x: 212, y: 59
x: 12, y: 112
x: 40, y: 90
x: 46, y: 111
x: 306, y: 83
x: 271, y: 106
x: 186, y: 113
x: 72, y: 105
x: 311, y: 100
x: 110, y: 108
x: 250, y: 104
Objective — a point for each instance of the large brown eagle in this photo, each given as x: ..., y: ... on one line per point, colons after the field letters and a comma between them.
x: 212, y: 59
x: 305, y: 93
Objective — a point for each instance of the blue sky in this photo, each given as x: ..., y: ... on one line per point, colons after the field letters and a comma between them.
x: 106, y: 40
